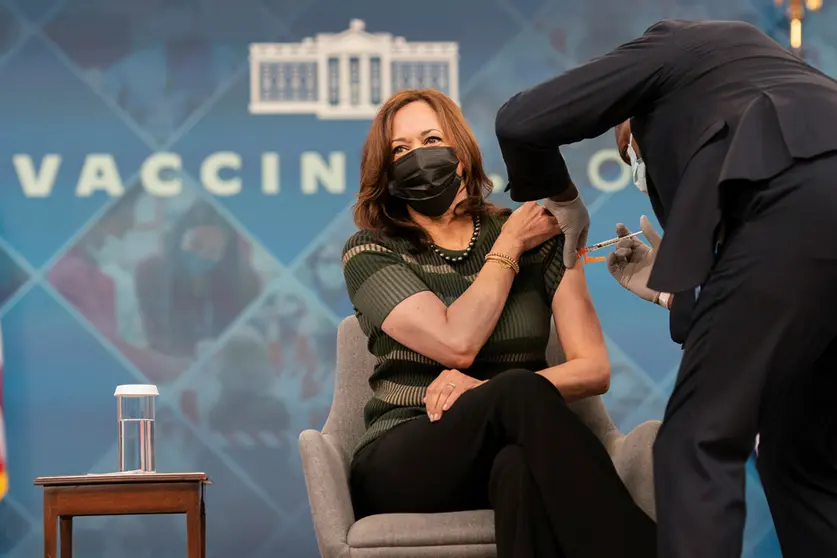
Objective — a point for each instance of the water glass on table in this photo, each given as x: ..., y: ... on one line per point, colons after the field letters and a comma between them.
x: 135, y: 406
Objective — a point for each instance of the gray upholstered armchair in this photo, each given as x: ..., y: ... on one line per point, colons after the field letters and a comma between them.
x: 326, y: 454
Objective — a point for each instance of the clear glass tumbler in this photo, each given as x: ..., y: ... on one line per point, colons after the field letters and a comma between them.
x: 135, y: 407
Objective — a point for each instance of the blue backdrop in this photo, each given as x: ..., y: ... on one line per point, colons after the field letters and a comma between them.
x: 227, y: 294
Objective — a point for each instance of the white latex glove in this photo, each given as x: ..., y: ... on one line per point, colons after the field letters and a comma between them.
x: 632, y: 261
x: 574, y: 221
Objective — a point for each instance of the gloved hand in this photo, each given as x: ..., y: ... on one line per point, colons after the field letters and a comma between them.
x: 632, y: 261
x: 574, y: 221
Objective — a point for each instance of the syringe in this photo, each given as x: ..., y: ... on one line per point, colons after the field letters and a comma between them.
x: 611, y: 242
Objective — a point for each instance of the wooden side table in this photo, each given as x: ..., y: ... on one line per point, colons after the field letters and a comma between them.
x: 123, y: 494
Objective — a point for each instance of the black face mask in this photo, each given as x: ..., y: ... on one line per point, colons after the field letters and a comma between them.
x: 426, y: 179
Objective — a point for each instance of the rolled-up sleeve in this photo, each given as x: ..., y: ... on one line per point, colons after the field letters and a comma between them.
x: 553, y: 266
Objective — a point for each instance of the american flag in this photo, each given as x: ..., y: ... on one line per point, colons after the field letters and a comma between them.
x: 4, y: 477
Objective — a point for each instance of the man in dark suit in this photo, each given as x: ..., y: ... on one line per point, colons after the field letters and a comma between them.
x: 738, y: 139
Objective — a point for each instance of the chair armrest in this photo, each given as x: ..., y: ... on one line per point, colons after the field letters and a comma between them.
x: 634, y: 462
x: 326, y: 479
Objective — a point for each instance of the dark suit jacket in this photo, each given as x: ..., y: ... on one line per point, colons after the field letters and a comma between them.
x: 710, y: 103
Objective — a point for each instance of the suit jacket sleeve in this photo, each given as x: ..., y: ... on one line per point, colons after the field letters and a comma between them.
x: 680, y: 315
x: 580, y: 104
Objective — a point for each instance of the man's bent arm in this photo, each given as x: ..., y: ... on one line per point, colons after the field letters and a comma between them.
x: 582, y: 103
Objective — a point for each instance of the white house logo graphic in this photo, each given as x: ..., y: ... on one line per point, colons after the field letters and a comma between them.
x: 347, y: 75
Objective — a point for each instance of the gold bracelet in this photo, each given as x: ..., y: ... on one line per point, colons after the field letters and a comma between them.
x: 503, y: 260
x: 496, y: 256
x: 502, y: 263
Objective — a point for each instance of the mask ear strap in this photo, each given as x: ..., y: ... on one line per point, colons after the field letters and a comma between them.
x: 386, y: 213
x: 633, y: 155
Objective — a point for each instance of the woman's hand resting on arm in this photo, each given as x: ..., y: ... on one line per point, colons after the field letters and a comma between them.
x: 453, y: 335
x: 586, y: 371
x: 530, y: 225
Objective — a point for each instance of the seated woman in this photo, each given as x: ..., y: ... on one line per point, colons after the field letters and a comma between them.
x: 456, y: 296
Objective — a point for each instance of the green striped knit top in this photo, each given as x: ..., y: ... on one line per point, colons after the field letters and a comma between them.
x: 382, y: 272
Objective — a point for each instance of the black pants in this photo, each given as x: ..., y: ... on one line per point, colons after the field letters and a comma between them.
x: 761, y: 357
x: 514, y: 446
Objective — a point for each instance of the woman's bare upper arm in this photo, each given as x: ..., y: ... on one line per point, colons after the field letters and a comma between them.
x: 575, y: 316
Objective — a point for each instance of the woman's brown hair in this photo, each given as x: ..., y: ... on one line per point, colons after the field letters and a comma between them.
x: 379, y: 211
